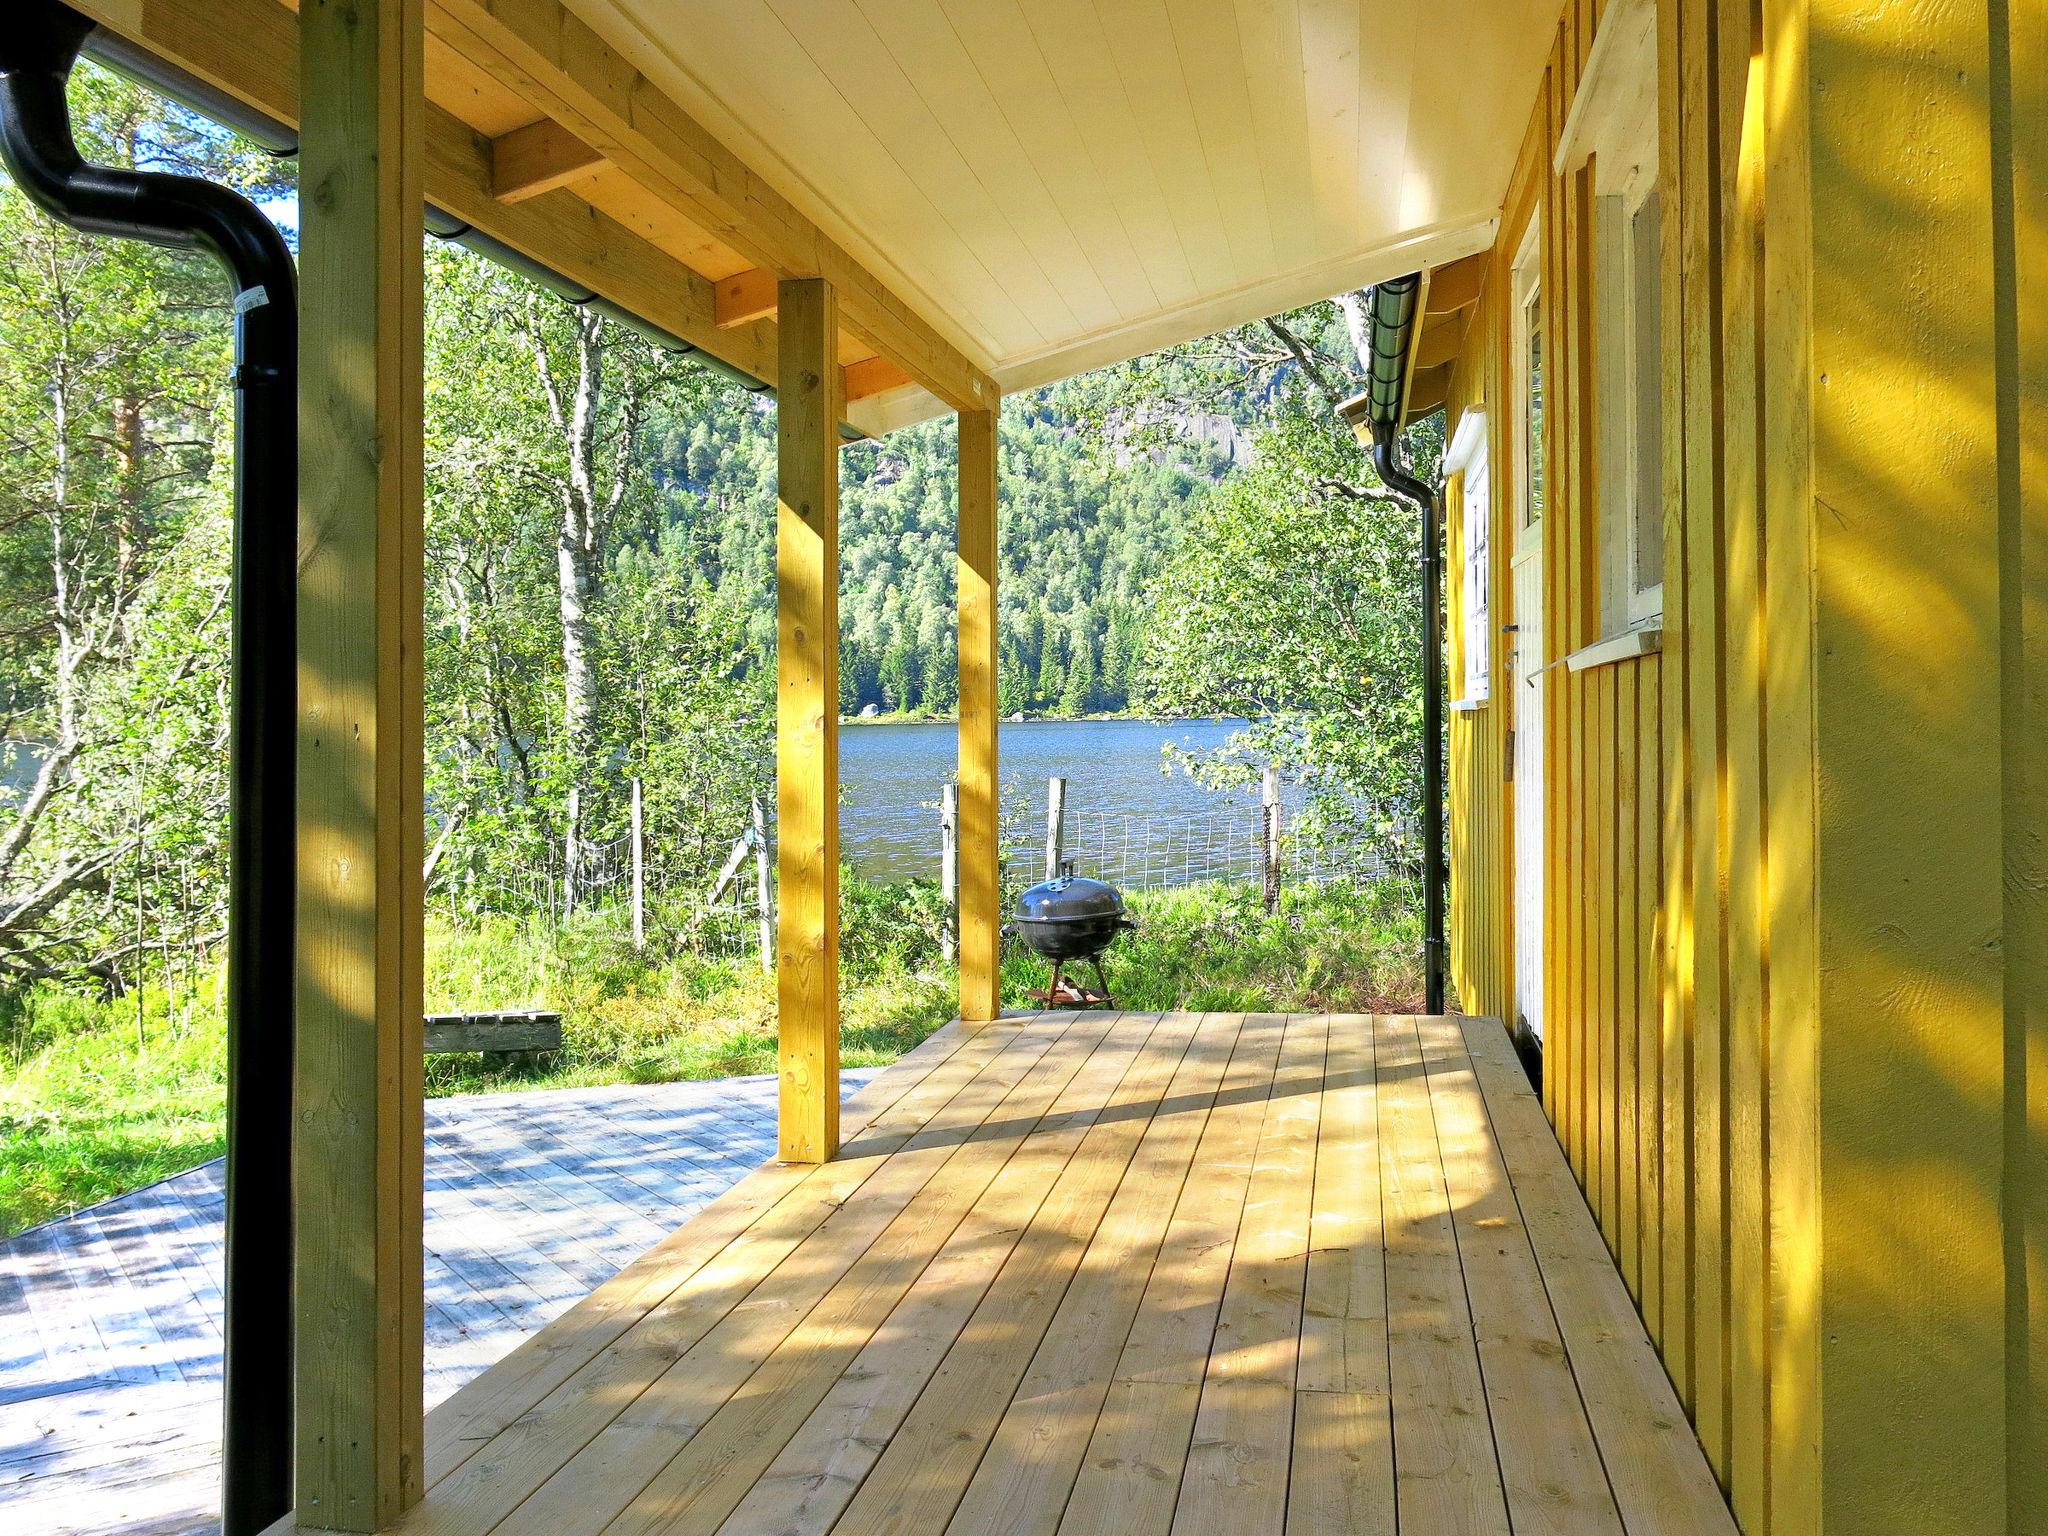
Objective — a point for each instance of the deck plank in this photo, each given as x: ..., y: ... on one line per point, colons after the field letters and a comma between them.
x: 1129, y: 1483
x: 1658, y: 1473
x: 1342, y: 1472
x: 1022, y: 1484
x: 481, y: 1409
x: 917, y: 1482
x: 1555, y: 1485
x: 916, y: 1294
x: 1446, y: 1478
x: 1235, y: 1482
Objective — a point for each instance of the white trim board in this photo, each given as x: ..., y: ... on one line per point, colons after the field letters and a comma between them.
x: 1626, y: 646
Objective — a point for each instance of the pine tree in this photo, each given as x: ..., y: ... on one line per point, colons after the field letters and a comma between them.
x: 1011, y: 694
x: 1079, y: 696
x: 1052, y: 676
x: 940, y: 670
x: 899, y: 676
x: 1116, y: 666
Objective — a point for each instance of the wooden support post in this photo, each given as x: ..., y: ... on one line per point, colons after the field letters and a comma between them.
x: 1269, y: 836
x: 764, y: 889
x: 807, y: 718
x: 949, y: 866
x: 358, y: 1196
x: 980, y: 858
x: 1055, y: 825
x: 639, y: 868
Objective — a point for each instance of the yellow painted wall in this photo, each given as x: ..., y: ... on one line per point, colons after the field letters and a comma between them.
x: 1796, y: 978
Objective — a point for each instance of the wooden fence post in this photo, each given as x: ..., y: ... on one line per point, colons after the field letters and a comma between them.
x: 764, y: 889
x: 639, y: 869
x: 1055, y: 825
x: 1269, y: 826
x: 569, y: 850
x: 949, y: 865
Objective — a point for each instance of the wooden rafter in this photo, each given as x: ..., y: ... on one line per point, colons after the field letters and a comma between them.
x: 539, y: 158
x: 1439, y: 342
x: 249, y: 49
x: 1456, y: 284
x: 564, y: 68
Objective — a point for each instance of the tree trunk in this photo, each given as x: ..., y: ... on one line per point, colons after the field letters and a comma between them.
x: 579, y: 552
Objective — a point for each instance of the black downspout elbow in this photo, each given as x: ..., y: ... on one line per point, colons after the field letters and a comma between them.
x: 39, y: 44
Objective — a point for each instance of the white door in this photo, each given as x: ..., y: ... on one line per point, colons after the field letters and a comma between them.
x: 1525, y: 719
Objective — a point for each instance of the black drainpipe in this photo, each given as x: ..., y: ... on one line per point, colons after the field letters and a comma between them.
x: 1393, y: 308
x: 39, y: 43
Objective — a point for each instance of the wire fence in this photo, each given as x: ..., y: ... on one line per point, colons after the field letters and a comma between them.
x: 1159, y: 852
x: 655, y: 883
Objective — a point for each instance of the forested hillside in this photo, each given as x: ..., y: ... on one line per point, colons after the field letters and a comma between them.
x: 1083, y: 543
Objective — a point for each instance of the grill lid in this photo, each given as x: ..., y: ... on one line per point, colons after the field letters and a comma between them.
x: 1069, y: 899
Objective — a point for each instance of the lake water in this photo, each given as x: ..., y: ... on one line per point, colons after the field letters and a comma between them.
x: 1120, y: 790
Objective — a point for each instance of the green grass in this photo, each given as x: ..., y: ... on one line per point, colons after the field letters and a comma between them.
x: 89, y: 1110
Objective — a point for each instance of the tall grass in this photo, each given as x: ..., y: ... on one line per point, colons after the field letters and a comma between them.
x: 93, y: 1104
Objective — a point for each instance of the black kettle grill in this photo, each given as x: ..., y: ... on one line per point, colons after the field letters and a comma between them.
x: 1067, y: 919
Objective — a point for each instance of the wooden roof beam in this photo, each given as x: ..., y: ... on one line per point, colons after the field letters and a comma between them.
x: 567, y: 71
x: 539, y: 158
x: 745, y: 296
x: 249, y: 49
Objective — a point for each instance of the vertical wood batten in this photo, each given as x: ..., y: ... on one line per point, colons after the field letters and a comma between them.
x: 1792, y: 814
x: 360, y: 1146
x: 1738, y: 192
x: 2020, y: 84
x: 980, y: 893
x: 807, y: 719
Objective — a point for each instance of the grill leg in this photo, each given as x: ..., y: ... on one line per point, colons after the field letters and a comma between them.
x: 1102, y: 981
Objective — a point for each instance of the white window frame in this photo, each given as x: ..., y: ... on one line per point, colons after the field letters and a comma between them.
x: 1527, y: 290
x: 1467, y: 459
x: 1614, y: 124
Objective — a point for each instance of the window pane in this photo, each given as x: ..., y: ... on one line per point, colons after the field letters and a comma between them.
x: 1532, y: 416
x: 1478, y: 585
x: 1647, y: 258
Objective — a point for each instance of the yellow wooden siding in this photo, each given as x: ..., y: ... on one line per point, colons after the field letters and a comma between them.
x: 1793, y: 1043
x: 2024, y: 503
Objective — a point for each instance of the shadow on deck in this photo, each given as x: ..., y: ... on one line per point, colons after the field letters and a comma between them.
x: 1112, y: 1273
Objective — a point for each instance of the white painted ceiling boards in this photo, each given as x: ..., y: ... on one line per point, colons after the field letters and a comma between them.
x: 1055, y: 184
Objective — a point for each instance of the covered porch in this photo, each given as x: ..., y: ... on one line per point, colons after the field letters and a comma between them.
x: 1113, y: 1273
x: 1075, y: 1273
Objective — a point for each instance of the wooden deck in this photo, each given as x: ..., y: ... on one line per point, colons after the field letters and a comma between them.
x: 1112, y: 1273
